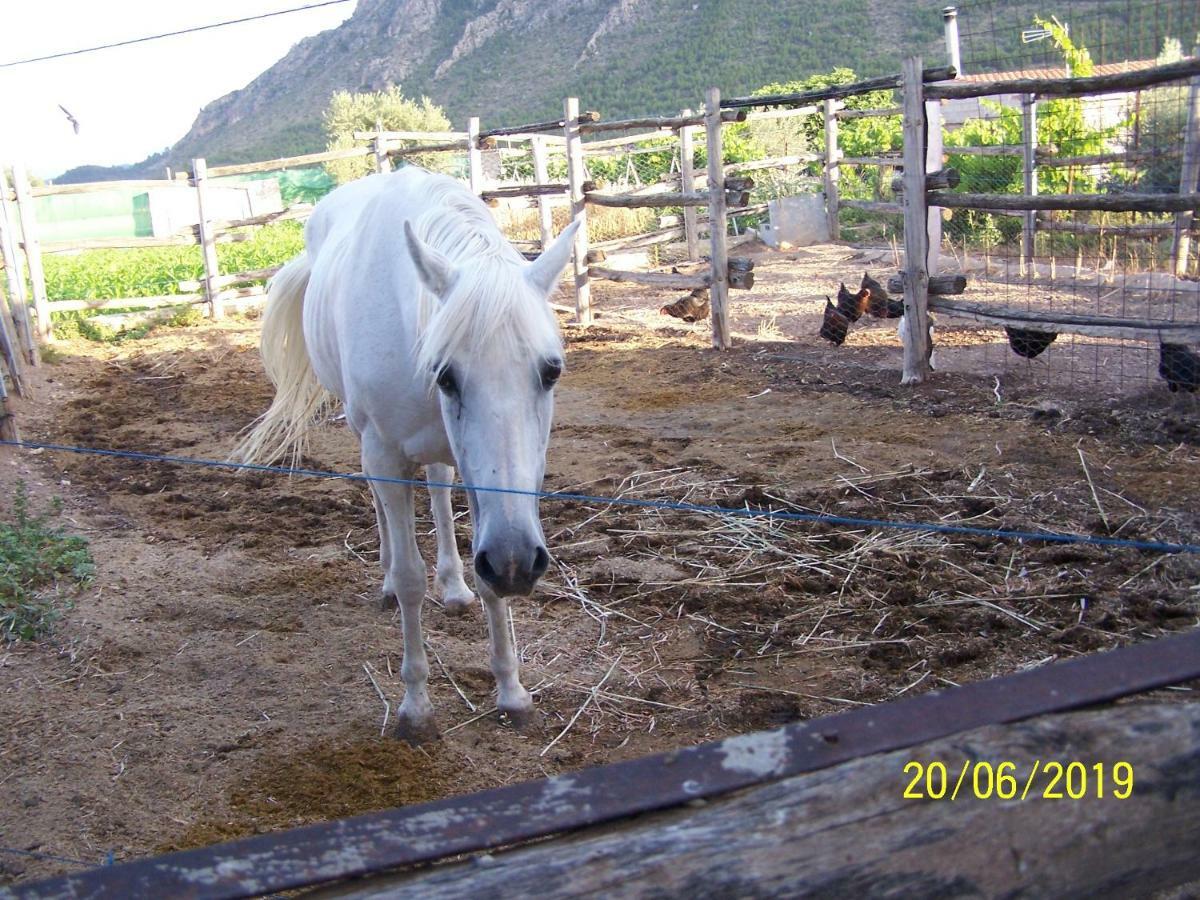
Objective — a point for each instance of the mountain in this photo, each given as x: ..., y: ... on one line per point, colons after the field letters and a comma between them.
x: 513, y: 61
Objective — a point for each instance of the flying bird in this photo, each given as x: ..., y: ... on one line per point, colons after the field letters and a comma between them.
x: 70, y: 118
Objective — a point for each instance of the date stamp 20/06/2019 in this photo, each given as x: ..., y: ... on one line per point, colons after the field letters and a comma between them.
x: 1042, y: 779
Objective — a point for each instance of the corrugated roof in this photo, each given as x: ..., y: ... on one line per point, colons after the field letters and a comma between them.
x: 1129, y: 65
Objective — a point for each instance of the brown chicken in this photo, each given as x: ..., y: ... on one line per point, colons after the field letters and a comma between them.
x: 852, y: 306
x: 690, y: 307
x: 879, y: 304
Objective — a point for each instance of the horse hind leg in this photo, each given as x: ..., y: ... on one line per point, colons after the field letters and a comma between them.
x: 455, y: 593
x: 405, y: 578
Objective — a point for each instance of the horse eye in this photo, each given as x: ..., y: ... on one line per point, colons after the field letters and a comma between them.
x: 446, y: 381
x: 551, y: 369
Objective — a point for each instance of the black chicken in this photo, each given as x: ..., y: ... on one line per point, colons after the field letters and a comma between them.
x: 835, y: 324
x: 1179, y: 367
x: 1029, y: 343
x: 878, y: 293
x: 852, y: 306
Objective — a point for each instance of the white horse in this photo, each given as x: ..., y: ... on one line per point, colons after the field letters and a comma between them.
x: 413, y: 309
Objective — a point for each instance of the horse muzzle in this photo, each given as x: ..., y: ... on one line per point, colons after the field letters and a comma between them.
x: 511, y: 570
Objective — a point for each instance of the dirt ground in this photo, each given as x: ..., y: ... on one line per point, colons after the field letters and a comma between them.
x: 215, y: 679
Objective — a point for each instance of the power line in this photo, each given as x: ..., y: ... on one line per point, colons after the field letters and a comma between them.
x: 155, y: 37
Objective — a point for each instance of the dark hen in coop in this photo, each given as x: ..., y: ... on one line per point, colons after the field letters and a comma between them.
x: 1029, y: 343
x: 835, y: 325
x: 1179, y: 367
x: 852, y: 306
x: 879, y: 304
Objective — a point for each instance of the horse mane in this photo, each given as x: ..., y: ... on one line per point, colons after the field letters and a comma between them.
x: 491, y: 308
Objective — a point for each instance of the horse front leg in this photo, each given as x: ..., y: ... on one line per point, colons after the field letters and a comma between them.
x: 513, y: 700
x: 455, y: 593
x: 405, y: 578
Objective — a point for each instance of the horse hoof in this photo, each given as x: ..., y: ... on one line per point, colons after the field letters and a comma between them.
x: 459, y: 606
x: 415, y: 732
x: 388, y: 602
x: 520, y: 719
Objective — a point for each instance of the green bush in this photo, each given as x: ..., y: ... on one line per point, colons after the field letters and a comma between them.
x: 39, y: 566
x: 389, y: 109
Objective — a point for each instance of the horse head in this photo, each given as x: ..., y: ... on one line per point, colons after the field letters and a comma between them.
x: 493, y: 350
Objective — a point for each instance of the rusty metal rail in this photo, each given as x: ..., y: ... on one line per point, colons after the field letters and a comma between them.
x: 424, y: 833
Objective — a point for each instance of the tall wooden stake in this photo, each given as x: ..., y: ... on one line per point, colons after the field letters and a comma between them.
x: 537, y: 145
x: 13, y: 270
x: 718, y: 291
x: 916, y: 235
x: 1029, y: 169
x: 1189, y: 175
x: 379, y: 146
x: 474, y: 156
x: 33, y: 252
x: 208, y: 247
x: 687, y: 184
x: 576, y: 176
x: 832, y: 155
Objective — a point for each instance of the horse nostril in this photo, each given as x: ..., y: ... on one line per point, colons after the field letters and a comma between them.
x: 483, y: 568
x: 541, y: 562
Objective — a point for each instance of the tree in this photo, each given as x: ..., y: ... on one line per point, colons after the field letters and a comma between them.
x: 390, y: 109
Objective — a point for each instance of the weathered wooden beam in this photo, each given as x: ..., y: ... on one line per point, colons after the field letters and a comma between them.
x: 774, y: 162
x: 915, y: 335
x: 531, y: 190
x: 1152, y: 229
x: 830, y: 172
x: 897, y: 161
x: 741, y: 272
x: 538, y: 150
x: 869, y: 113
x: 1189, y: 174
x: 92, y: 187
x: 761, y: 115
x: 718, y: 231
x: 669, y: 122
x: 1069, y: 87
x: 941, y: 285
x: 577, y: 179
x: 411, y: 135
x: 448, y: 147
x: 1090, y: 326
x: 1108, y: 202
x: 128, y: 302
x: 288, y: 162
x: 851, y: 831
x: 836, y: 92
x: 33, y: 252
x: 876, y: 206
x: 637, y: 201
x: 989, y: 150
x: 631, y: 140
x: 236, y: 278
x: 934, y: 181
x: 555, y: 125
x: 687, y: 184
x: 1126, y: 157
x: 653, y: 279
x: 18, y: 301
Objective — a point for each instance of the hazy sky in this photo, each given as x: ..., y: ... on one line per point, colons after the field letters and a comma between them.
x: 130, y: 101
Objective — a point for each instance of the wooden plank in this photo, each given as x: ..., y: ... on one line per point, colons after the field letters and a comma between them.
x: 1063, y: 323
x: 299, y: 211
x: 156, y: 302
x: 760, y: 115
x: 916, y: 236
x: 654, y: 201
x: 1162, y: 203
x: 377, y: 842
x: 537, y: 146
x: 8, y: 420
x: 831, y: 171
x: 718, y: 227
x: 207, y: 247
x: 379, y: 147
x: 448, y: 147
x: 235, y: 278
x: 33, y: 253
x: 18, y: 302
x: 576, y: 177
x: 848, y: 831
x: 1029, y: 175
x: 525, y: 190
x: 92, y: 187
x: 870, y: 113
x: 555, y: 125
x: 687, y: 184
x: 1069, y: 87
x: 1125, y: 157
x: 288, y: 162
x: 427, y: 136
x: 939, y: 285
x: 836, y: 92
x: 989, y: 150
x: 653, y: 279
x: 773, y: 162
x: 1152, y: 229
x: 897, y: 161
x: 656, y: 122
x: 631, y: 140
x: 1189, y: 175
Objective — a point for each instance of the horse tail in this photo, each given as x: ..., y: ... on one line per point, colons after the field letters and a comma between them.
x: 283, y: 429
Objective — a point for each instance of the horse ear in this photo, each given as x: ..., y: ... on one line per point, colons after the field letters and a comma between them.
x: 543, y: 272
x: 435, y: 271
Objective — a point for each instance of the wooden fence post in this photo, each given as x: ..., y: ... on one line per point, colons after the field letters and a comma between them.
x: 687, y: 184
x: 831, y: 168
x: 379, y: 146
x: 537, y: 145
x: 208, y: 247
x: 576, y: 176
x: 950, y: 27
x: 1029, y: 169
x: 916, y: 235
x: 474, y: 156
x: 718, y: 291
x: 33, y: 252
x: 1189, y: 175
x: 933, y: 163
x: 17, y: 300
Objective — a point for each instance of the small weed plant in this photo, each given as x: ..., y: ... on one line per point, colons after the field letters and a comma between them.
x: 40, y: 567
